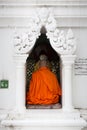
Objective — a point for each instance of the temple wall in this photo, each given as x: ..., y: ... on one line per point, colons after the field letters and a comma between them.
x: 16, y: 14
x: 7, y: 69
x: 80, y: 79
x: 72, y: 15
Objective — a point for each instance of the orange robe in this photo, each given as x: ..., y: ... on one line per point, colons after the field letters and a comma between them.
x: 44, y: 88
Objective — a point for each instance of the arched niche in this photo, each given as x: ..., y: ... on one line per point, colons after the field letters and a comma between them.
x: 62, y: 42
x: 42, y: 45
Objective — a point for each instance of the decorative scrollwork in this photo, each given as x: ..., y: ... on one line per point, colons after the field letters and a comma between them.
x: 24, y: 42
x: 62, y: 43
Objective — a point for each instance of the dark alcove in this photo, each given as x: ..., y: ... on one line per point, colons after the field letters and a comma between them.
x: 42, y: 45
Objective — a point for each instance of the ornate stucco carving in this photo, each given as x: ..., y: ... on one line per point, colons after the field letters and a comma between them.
x: 24, y: 41
x: 62, y: 42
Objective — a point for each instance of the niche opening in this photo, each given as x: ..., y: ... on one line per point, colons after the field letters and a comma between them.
x: 43, y: 45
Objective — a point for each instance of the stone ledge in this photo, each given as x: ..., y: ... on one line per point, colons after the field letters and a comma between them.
x: 44, y: 2
x: 47, y: 119
x: 83, y: 113
x: 52, y: 106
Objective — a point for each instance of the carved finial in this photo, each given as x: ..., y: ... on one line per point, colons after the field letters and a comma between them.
x: 43, y: 14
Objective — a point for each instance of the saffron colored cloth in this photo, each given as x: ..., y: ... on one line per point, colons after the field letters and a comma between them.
x: 44, y: 87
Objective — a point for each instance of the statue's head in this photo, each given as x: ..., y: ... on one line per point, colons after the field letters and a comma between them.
x: 43, y: 57
x: 43, y: 60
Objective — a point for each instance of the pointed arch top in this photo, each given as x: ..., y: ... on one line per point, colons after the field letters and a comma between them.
x: 62, y: 43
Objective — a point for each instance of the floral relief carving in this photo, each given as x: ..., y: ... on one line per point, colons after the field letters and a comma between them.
x: 23, y: 42
x: 62, y: 43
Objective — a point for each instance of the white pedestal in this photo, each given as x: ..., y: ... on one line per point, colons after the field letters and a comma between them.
x: 44, y: 120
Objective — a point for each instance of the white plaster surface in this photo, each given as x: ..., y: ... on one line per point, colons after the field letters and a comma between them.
x: 74, y: 15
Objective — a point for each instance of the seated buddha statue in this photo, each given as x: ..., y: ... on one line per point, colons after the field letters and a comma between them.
x: 44, y: 87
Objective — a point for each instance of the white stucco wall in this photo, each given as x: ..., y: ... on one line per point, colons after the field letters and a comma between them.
x: 72, y: 16
x: 7, y: 69
x: 80, y: 81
